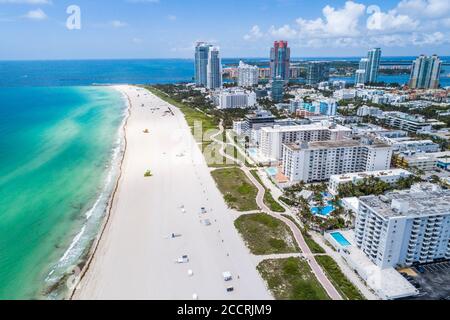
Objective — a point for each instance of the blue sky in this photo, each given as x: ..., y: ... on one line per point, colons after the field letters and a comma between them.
x: 36, y: 29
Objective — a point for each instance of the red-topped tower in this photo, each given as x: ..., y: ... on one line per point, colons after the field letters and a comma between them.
x: 280, y: 60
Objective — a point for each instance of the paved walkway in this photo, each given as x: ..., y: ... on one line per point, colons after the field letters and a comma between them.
x: 315, y: 267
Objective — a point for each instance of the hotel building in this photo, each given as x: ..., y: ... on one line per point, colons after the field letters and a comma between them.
x: 272, y: 138
x: 404, y: 228
x: 234, y: 99
x: 318, y: 161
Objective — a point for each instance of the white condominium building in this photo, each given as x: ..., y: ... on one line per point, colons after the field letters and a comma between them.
x: 404, y: 228
x: 318, y: 161
x: 403, y: 121
x: 388, y: 176
x: 272, y: 138
x: 248, y: 75
x: 234, y: 98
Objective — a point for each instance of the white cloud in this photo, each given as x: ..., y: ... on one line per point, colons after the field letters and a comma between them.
x: 336, y: 22
x: 389, y: 21
x: 37, y: 14
x: 118, y: 24
x: 172, y: 17
x: 355, y: 25
x: 254, y: 34
x: 285, y: 32
x: 435, y: 38
x: 428, y: 8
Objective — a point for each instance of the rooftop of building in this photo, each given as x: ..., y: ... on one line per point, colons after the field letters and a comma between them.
x: 323, y: 125
x: 348, y: 177
x: 333, y: 144
x: 409, y: 203
x: 428, y: 156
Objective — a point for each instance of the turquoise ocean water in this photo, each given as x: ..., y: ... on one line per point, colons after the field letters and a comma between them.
x: 57, y: 151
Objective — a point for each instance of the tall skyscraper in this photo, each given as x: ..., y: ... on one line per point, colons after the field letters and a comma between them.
x: 369, y: 67
x: 201, y: 63
x: 317, y: 72
x: 278, y: 89
x: 214, y: 69
x: 248, y: 75
x: 373, y: 65
x: 280, y: 60
x: 426, y: 72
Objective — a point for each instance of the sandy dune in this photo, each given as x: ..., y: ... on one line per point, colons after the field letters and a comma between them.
x: 136, y: 258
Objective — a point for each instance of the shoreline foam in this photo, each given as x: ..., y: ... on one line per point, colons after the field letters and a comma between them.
x: 81, y: 244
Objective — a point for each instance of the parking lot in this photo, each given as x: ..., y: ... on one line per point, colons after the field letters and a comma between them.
x: 432, y: 280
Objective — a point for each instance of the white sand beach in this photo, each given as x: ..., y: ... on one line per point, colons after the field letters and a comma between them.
x: 135, y: 258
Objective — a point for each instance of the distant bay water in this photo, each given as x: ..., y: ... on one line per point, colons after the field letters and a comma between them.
x: 59, y: 151
x: 91, y: 72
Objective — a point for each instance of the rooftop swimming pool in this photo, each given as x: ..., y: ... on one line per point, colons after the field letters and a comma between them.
x: 272, y: 171
x: 340, y: 239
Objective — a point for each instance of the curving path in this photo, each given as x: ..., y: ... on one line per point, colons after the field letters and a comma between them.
x: 315, y: 267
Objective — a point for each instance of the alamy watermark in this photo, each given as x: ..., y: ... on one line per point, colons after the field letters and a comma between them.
x: 73, y: 22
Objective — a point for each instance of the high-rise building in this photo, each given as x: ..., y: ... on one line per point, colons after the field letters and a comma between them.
x: 360, y: 76
x: 278, y: 90
x: 317, y: 72
x: 373, y: 65
x: 248, y: 75
x: 369, y: 67
x: 201, y: 63
x: 272, y: 138
x: 280, y: 59
x: 234, y: 98
x: 318, y: 161
x: 426, y: 72
x: 214, y: 69
x: 404, y: 228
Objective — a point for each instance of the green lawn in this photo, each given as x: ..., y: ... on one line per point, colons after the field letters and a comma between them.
x: 291, y: 279
x: 339, y: 280
x: 264, y: 234
x: 313, y: 246
x: 238, y: 191
x: 268, y: 198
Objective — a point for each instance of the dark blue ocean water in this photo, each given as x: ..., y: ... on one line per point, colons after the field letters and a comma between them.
x: 88, y: 72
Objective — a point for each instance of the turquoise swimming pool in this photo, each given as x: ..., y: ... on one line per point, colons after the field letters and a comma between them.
x: 340, y: 239
x: 272, y: 171
x: 253, y: 152
x: 323, y: 211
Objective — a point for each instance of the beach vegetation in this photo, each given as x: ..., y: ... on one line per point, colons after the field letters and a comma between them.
x: 148, y: 174
x: 239, y: 192
x: 265, y: 234
x: 291, y: 279
x: 313, y: 246
x: 341, y: 283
